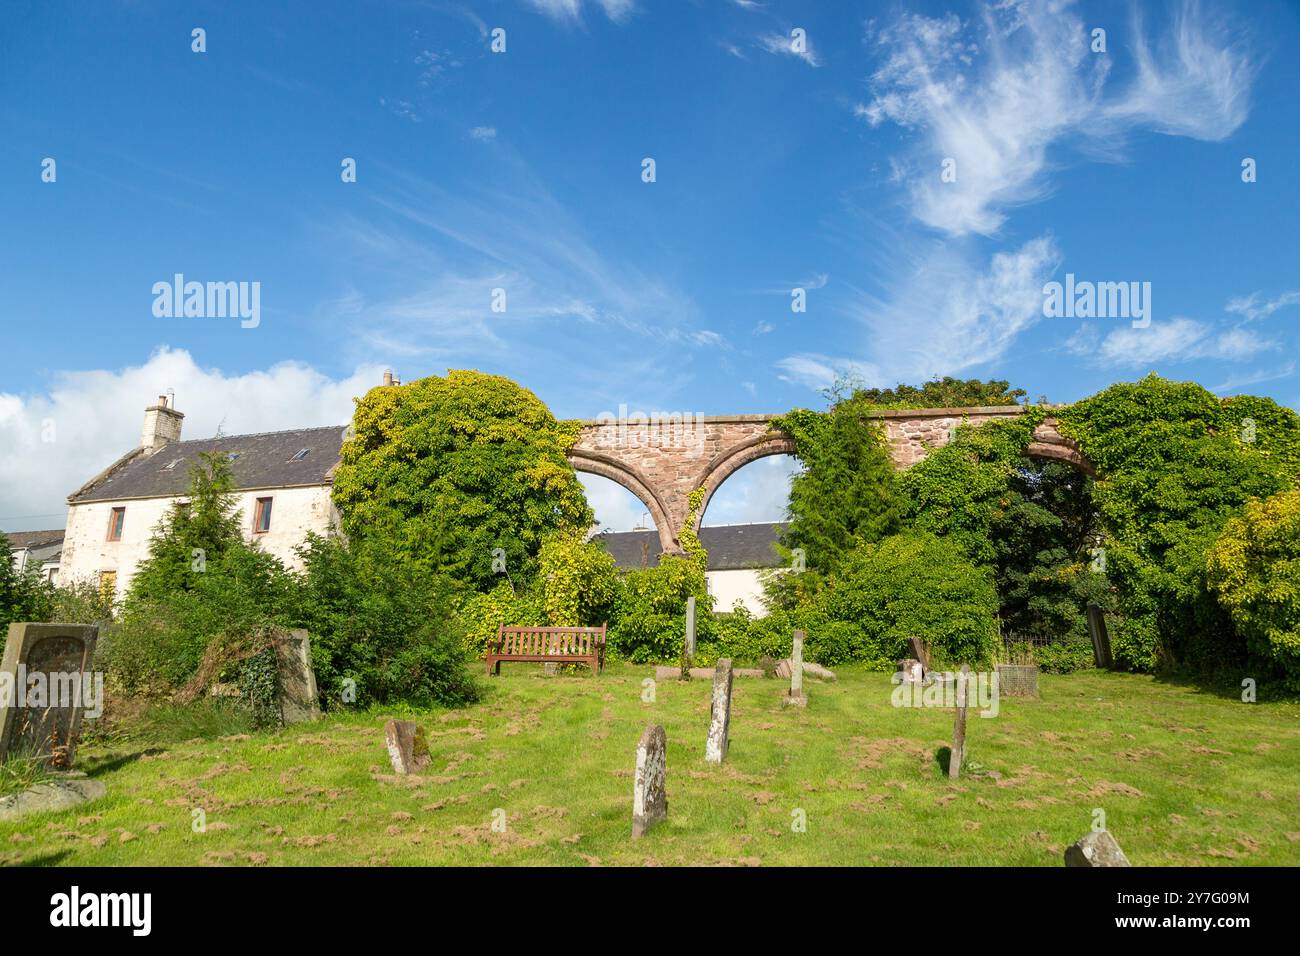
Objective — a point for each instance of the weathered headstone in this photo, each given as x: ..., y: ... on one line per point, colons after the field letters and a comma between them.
x: 796, y: 698
x: 715, y: 748
x: 1100, y: 637
x: 649, y: 787
x: 958, y: 754
x: 1017, y: 680
x: 407, y: 748
x: 920, y: 652
x: 299, y: 700
x: 911, y: 671
x: 690, y: 627
x: 45, y: 679
x: 1098, y: 848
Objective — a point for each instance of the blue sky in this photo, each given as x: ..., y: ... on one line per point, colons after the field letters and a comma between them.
x: 775, y: 168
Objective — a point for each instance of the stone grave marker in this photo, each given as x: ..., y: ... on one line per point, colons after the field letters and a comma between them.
x: 1100, y: 637
x: 299, y: 700
x: 407, y: 748
x: 715, y: 747
x: 649, y: 787
x: 958, y: 754
x: 796, y: 698
x: 911, y: 671
x: 690, y: 627
x: 919, y: 652
x: 1098, y: 848
x: 46, y: 722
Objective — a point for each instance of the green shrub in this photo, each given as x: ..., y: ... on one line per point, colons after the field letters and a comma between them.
x: 914, y: 585
x: 380, y: 627
x: 1254, y: 568
x: 650, y: 614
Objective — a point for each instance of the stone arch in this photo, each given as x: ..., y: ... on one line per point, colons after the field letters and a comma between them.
x: 726, y: 463
x: 1049, y: 443
x: 594, y: 463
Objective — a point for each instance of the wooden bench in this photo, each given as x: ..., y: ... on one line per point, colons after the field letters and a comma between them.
x: 548, y: 645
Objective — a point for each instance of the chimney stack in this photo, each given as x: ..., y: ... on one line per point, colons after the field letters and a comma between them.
x: 388, y: 376
x: 162, y: 425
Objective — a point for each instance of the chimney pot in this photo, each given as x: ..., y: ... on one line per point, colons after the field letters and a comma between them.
x: 388, y: 376
x: 162, y: 426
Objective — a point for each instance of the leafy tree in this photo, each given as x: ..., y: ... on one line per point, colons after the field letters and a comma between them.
x: 201, y: 528
x: 446, y: 470
x: 845, y: 494
x: 1173, y: 468
x: 24, y: 595
x: 1254, y: 567
x: 946, y: 392
x: 916, y: 585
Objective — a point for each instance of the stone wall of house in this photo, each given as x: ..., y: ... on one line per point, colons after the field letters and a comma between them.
x: 87, y: 552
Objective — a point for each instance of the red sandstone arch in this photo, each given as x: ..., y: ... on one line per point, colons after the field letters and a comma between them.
x: 1051, y: 444
x: 622, y: 473
x: 726, y: 463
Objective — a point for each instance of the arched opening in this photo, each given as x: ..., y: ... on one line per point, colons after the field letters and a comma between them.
x: 743, y: 517
x: 755, y: 493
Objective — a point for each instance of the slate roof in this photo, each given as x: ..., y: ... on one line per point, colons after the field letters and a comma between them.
x: 33, y: 539
x: 263, y: 461
x: 731, y: 547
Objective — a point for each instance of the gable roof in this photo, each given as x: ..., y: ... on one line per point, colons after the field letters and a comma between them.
x: 262, y: 461
x: 731, y: 547
x: 33, y: 539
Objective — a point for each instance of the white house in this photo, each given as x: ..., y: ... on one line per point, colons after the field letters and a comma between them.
x: 36, y: 549
x: 739, y: 556
x: 282, y: 483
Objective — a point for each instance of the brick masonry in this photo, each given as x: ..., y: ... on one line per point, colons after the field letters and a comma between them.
x: 662, y: 460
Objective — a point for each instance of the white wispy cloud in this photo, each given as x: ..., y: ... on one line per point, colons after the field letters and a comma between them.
x: 996, y: 96
x: 54, y: 440
x: 1181, y: 339
x: 786, y: 45
x: 616, y: 10
x: 483, y: 133
x: 1253, y: 306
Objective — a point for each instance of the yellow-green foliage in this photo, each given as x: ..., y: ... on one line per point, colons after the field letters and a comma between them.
x: 579, y: 582
x: 448, y: 470
x: 1254, y: 567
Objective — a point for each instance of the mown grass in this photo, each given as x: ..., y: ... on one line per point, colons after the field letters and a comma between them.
x: 1184, y: 777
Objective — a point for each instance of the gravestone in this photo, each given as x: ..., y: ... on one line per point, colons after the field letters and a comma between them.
x: 715, y: 748
x: 45, y: 680
x: 299, y: 700
x: 958, y: 754
x: 911, y: 670
x: 1100, y: 637
x: 649, y: 787
x: 690, y: 627
x: 920, y: 652
x: 407, y: 748
x: 1098, y: 848
x: 796, y: 698
x: 1017, y: 680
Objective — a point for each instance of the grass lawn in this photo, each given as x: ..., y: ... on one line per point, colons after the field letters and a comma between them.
x: 1184, y: 777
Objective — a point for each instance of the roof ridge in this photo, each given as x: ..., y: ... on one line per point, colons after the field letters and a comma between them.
x: 282, y: 431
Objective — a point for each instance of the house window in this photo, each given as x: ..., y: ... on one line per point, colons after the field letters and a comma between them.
x: 262, y: 516
x: 116, y: 518
x: 300, y: 454
x: 108, y: 584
